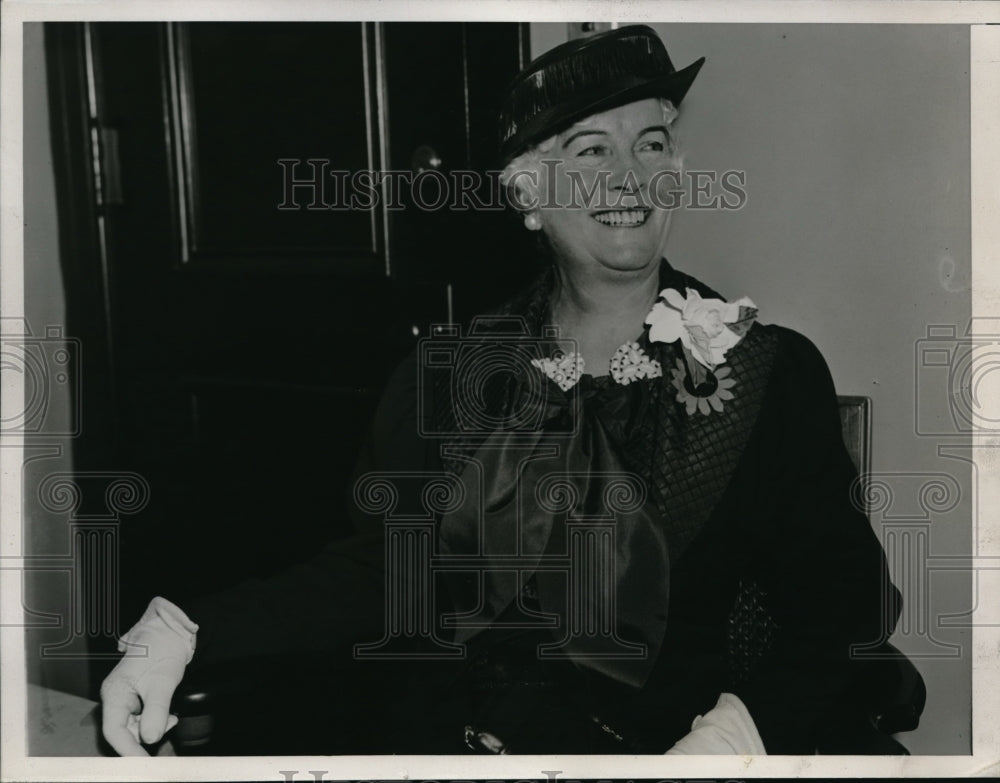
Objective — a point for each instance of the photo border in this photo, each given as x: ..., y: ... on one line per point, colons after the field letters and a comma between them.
x: 985, y: 173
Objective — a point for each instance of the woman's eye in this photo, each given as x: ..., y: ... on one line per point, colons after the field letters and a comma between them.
x: 653, y: 146
x: 597, y: 149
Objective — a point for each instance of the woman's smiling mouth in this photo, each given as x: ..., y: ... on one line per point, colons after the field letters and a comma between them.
x: 622, y: 218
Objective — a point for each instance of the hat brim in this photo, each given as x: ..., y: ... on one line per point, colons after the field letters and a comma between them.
x: 673, y: 86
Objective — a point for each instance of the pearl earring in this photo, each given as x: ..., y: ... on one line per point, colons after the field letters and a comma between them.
x: 532, y: 222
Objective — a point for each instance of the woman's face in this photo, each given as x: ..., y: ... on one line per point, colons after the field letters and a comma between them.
x: 595, y: 205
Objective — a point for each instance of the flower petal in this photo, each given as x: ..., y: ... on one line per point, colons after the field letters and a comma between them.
x: 742, y: 323
x: 656, y: 312
x: 703, y: 406
x: 692, y: 303
x: 691, y: 405
x: 730, y: 311
x: 725, y: 394
x: 698, y: 344
x: 721, y: 344
x: 665, y: 324
x: 715, y: 402
x: 674, y: 298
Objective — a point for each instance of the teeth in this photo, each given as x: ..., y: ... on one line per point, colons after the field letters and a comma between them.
x: 632, y: 217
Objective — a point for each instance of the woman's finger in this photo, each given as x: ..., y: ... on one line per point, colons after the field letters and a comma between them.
x: 133, y: 727
x: 117, y: 714
x: 155, y: 713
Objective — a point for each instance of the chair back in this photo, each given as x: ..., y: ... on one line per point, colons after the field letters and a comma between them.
x: 856, y: 425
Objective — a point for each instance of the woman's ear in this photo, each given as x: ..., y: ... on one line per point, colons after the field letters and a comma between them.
x: 522, y: 180
x: 522, y: 188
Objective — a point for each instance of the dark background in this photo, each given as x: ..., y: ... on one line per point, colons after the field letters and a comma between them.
x: 235, y: 351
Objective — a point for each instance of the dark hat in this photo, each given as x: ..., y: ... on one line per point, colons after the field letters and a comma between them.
x: 586, y: 76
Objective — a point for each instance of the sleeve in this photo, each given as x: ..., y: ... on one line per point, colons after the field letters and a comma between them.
x: 817, y: 560
x: 335, y: 599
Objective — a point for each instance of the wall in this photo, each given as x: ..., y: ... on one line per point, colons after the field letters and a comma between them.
x: 45, y: 532
x: 855, y: 140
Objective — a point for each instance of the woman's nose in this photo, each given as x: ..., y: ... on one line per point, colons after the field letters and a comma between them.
x: 627, y: 176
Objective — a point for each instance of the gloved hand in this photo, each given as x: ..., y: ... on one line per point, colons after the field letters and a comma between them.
x: 726, y: 729
x: 136, y: 694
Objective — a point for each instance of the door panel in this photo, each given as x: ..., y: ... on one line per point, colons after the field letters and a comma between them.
x: 248, y: 344
x: 253, y: 103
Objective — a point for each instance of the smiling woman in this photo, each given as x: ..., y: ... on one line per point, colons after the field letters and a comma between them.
x: 596, y: 191
x: 609, y: 168
x: 637, y: 495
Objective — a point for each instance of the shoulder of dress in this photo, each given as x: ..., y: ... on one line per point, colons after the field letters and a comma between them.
x: 789, y: 341
x: 798, y: 362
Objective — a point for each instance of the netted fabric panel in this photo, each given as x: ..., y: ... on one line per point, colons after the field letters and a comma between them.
x: 751, y: 631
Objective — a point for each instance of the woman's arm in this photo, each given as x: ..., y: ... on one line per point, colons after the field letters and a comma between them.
x: 334, y: 599
x: 818, y: 561
x: 326, y: 604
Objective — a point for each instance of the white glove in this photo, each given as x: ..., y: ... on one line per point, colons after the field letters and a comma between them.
x: 727, y: 728
x: 136, y: 694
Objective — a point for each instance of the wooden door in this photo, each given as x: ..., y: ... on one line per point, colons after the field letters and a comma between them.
x: 237, y: 334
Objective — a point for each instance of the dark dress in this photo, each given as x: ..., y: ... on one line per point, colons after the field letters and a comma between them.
x: 746, y: 569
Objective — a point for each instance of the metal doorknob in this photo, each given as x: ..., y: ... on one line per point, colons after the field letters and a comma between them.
x: 425, y: 157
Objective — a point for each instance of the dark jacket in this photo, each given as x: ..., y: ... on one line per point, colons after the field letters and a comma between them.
x: 747, y: 570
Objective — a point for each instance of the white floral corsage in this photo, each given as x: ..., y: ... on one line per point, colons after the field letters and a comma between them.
x: 707, y: 329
